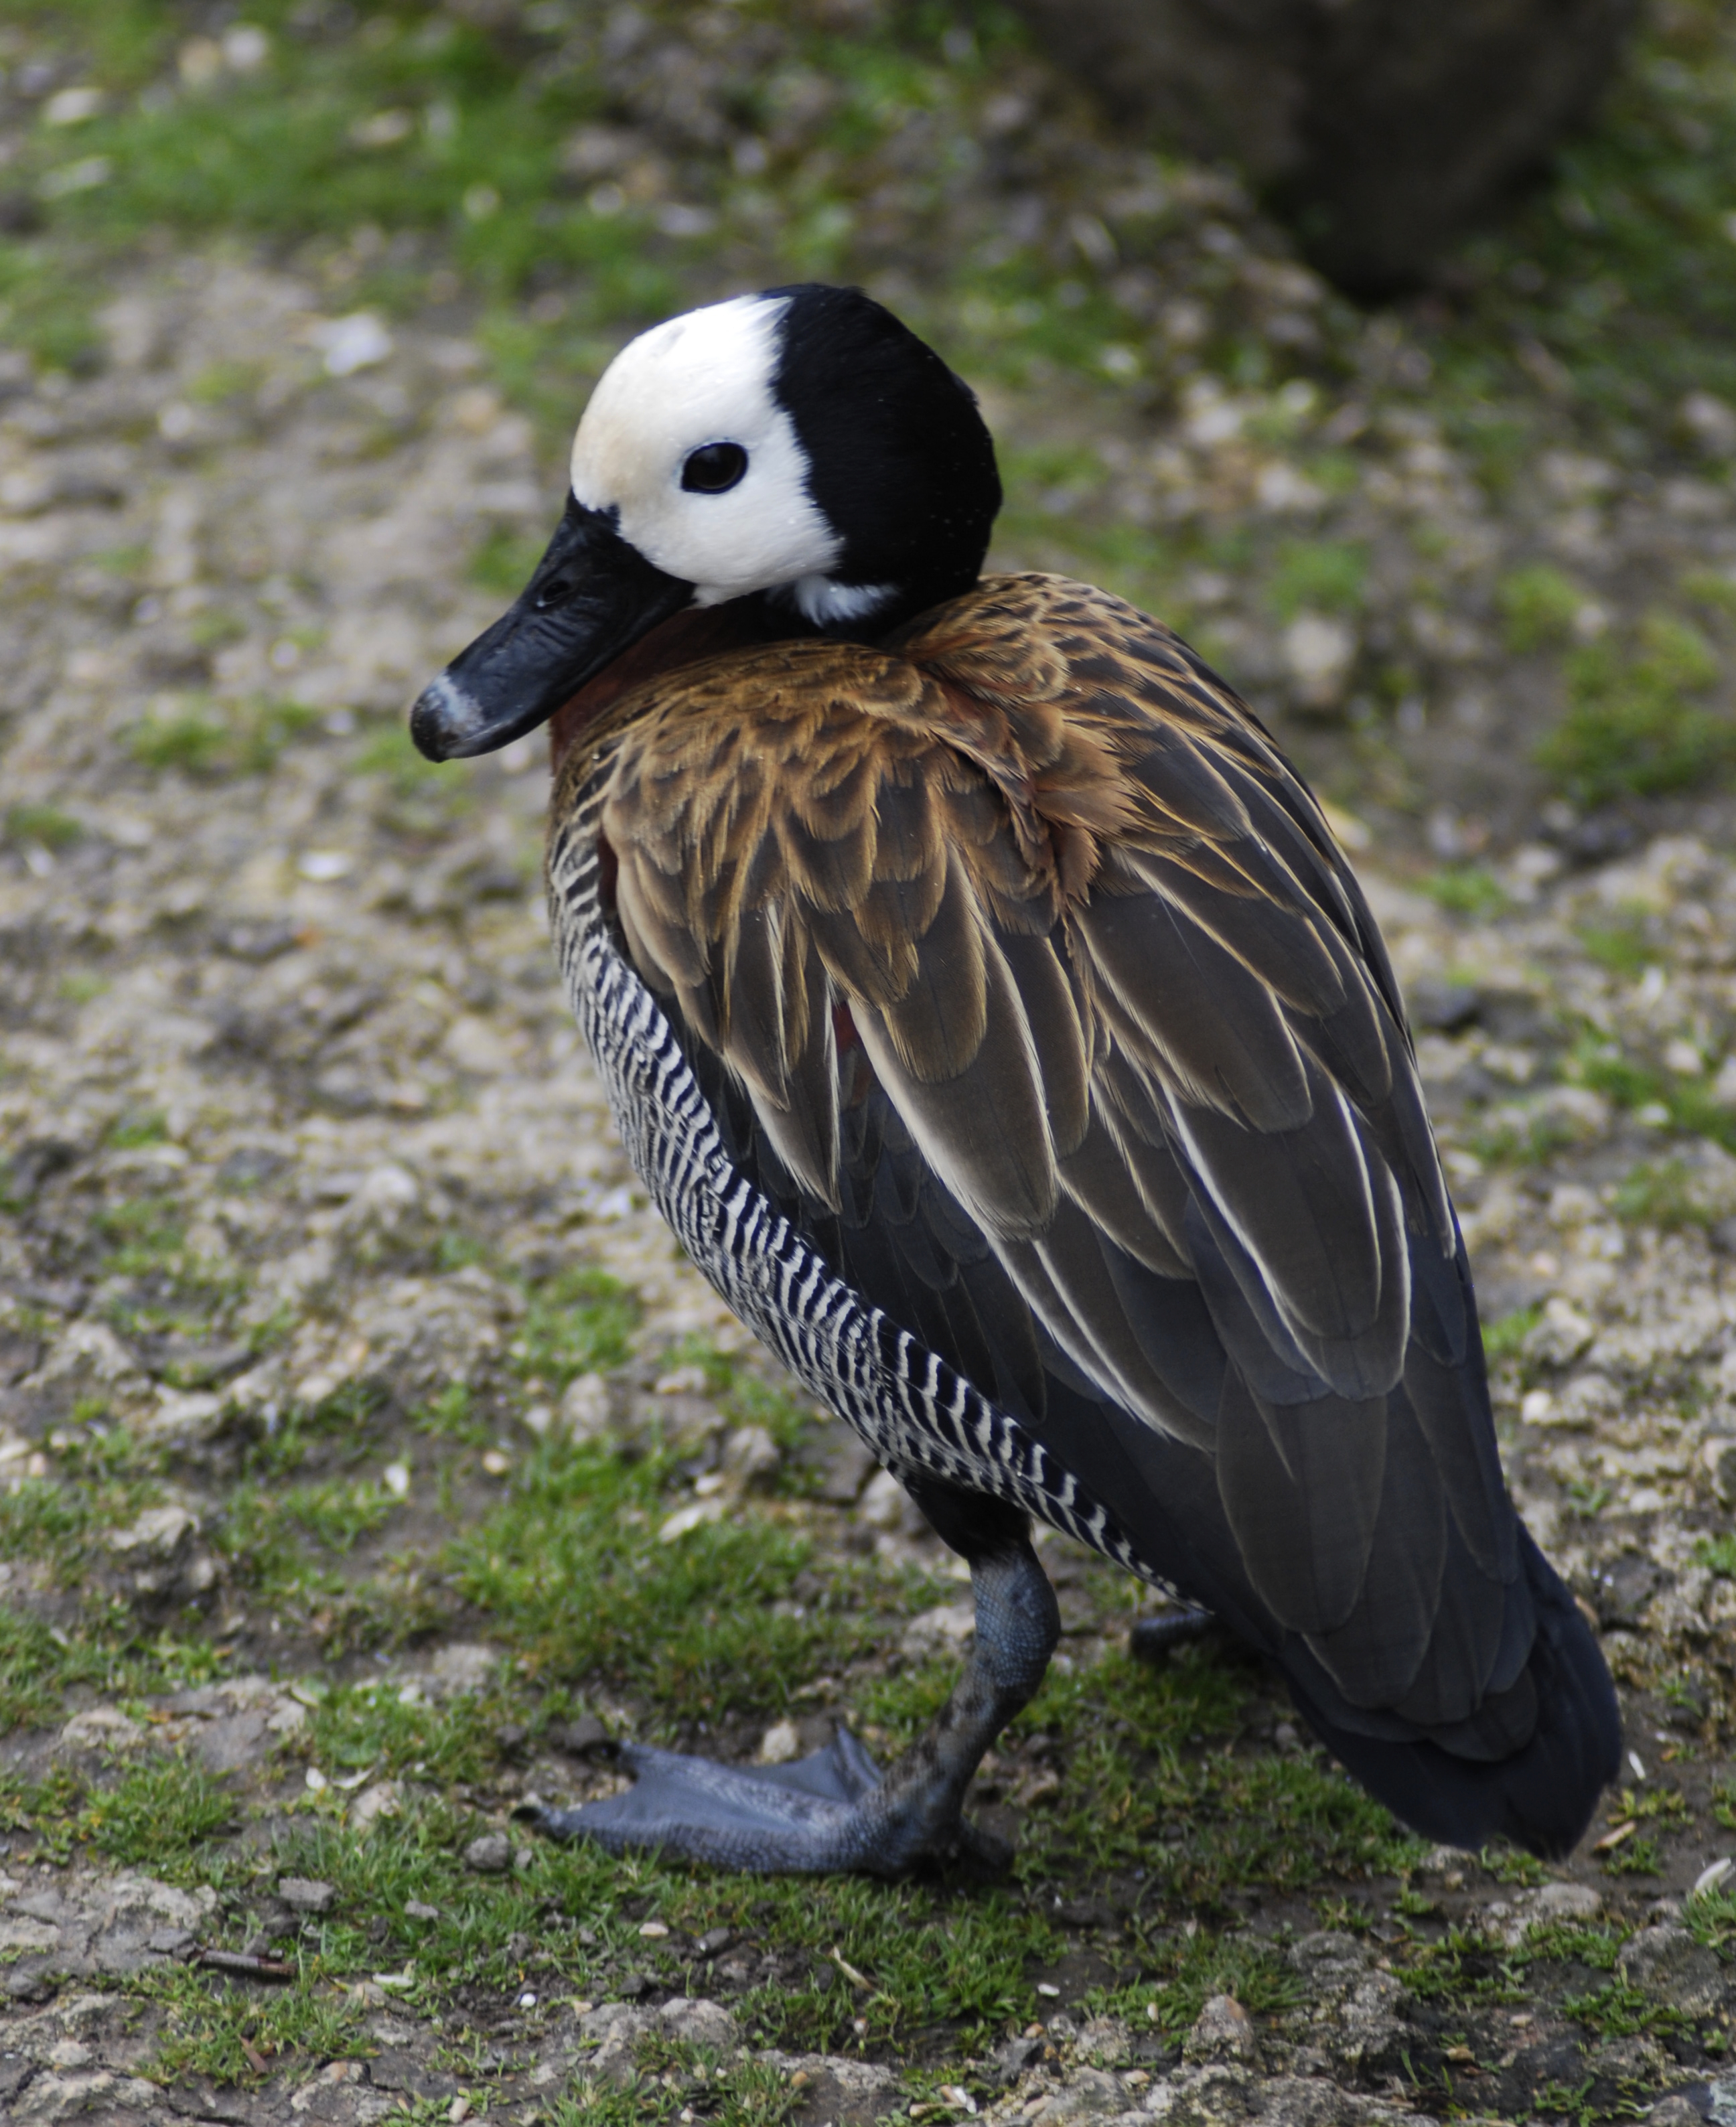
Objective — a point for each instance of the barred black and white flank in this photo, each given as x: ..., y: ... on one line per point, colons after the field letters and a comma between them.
x: 986, y: 1004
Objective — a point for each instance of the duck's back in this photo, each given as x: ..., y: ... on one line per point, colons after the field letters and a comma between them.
x: 994, y: 1017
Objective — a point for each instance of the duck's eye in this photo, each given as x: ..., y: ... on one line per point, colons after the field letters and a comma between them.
x: 713, y: 468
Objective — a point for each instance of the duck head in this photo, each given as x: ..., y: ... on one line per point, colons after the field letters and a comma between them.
x: 800, y: 453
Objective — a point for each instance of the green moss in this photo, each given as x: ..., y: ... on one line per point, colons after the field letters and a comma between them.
x: 1624, y: 948
x: 1324, y: 575
x: 203, y: 740
x: 503, y: 563
x: 1634, y: 723
x: 161, y: 1815
x: 574, y: 1568
x: 578, y: 1322
x: 1537, y: 605
x: 1719, y: 1552
x: 1504, y: 1337
x: 1659, y: 1194
x: 138, y: 1127
x: 45, y: 824
x: 1466, y: 890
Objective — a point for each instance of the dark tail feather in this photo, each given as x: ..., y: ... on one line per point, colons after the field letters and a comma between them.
x: 1542, y: 1797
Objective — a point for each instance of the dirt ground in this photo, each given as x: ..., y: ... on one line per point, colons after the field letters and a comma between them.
x: 368, y: 1454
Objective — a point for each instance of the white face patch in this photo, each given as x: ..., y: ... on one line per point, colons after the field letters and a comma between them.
x: 705, y: 378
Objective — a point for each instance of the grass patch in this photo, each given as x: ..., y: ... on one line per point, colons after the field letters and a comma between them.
x: 161, y: 1815
x: 504, y: 562
x: 1660, y: 1193
x: 46, y: 825
x: 573, y: 1568
x: 1466, y: 890
x: 1625, y: 947
x: 204, y: 740
x: 580, y: 1321
x: 1323, y: 576
x: 1636, y: 722
x: 1505, y: 1338
x: 1537, y: 606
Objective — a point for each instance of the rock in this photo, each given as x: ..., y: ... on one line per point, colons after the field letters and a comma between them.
x: 383, y: 1799
x: 698, y: 2023
x: 620, y: 2028
x: 781, y: 1744
x: 1089, y: 2093
x: 1222, y: 2030
x: 1380, y: 131
x: 1107, y: 2039
x: 490, y: 1856
x: 51, y: 2098
x: 836, y: 2087
x: 1318, y: 654
x: 848, y: 1468
x: 1566, y: 1901
x: 1439, y: 1007
x: 1013, y: 2056
x: 943, y: 1630
x: 305, y: 1894
x: 751, y: 1456
x: 100, y: 1728
x: 586, y: 1414
x: 465, y: 1666
x: 162, y: 1557
x: 578, y: 1736
x: 1374, y: 2033
x: 1666, y: 1963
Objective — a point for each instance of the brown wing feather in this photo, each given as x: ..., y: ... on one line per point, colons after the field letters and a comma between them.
x: 1106, y: 961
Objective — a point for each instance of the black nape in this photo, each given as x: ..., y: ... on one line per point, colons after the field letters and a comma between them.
x: 899, y: 459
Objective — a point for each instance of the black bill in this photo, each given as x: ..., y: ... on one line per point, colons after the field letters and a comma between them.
x: 592, y: 597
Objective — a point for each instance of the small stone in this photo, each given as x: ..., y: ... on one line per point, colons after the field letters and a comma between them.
x: 700, y: 2023
x: 465, y: 1666
x: 714, y: 1941
x: 1566, y: 1901
x: 1222, y: 2029
x: 1666, y: 1963
x: 1439, y: 1007
x: 102, y: 1728
x: 1318, y: 654
x: 781, y: 1744
x: 416, y: 1910
x: 578, y: 1736
x: 586, y: 1413
x: 884, y: 1504
x: 490, y: 1856
x: 848, y: 1468
x: 751, y: 1456
x: 384, y: 1798
x: 304, y: 1894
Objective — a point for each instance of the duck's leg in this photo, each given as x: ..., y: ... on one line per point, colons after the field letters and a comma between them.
x: 833, y: 1811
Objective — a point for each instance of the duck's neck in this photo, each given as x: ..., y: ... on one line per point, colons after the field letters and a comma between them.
x: 707, y: 631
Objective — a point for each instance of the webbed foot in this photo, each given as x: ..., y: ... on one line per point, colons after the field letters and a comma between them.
x: 822, y: 1814
x: 834, y: 1810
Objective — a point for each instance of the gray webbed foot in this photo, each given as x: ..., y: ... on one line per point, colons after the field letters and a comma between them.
x: 798, y: 1817
x: 834, y: 1810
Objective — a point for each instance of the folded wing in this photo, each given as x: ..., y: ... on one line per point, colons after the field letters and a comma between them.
x: 1036, y: 987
